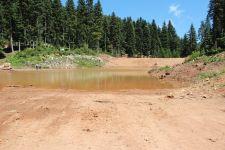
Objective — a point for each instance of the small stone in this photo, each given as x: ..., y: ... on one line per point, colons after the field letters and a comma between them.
x: 86, y: 130
x: 204, y: 97
x: 167, y: 73
x: 95, y: 116
x: 170, y: 96
x: 162, y: 77
x: 212, y: 140
x: 207, y: 79
x: 189, y: 94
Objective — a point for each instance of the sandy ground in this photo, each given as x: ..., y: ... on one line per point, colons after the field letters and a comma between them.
x: 40, y: 119
x: 141, y: 62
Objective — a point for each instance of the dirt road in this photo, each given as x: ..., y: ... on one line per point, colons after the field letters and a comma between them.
x: 66, y: 120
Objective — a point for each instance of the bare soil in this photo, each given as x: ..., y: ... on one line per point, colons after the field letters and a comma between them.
x: 189, y: 118
x: 140, y: 62
x: 55, y: 119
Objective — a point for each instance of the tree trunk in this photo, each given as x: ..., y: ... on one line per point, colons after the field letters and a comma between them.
x: 19, y: 47
x: 11, y: 42
x: 33, y: 44
x: 45, y: 32
x: 105, y: 43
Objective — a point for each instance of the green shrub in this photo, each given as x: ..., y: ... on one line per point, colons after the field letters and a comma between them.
x: 194, y: 56
x: 213, y: 51
x: 166, y: 68
x: 30, y: 57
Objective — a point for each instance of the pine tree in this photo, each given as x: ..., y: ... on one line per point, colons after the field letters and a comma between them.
x: 129, y: 37
x: 14, y: 25
x: 185, y: 46
x: 48, y: 21
x: 90, y: 23
x: 155, y: 41
x: 122, y: 36
x: 26, y: 19
x: 71, y: 23
x: 38, y: 26
x: 173, y: 40
x: 223, y: 20
x: 104, y: 41
x: 2, y: 21
x: 97, y: 26
x: 205, y: 36
x: 58, y: 25
x: 216, y: 14
x: 139, y: 35
x: 201, y: 31
x: 82, y: 23
x: 146, y: 39
x: 192, y: 40
x: 114, y: 37
x: 164, y: 37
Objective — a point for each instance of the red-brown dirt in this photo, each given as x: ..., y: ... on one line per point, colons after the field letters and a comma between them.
x: 189, y: 118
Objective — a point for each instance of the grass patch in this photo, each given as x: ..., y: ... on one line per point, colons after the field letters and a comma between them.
x: 89, y: 62
x: 212, y: 74
x: 211, y: 59
x: 166, y: 68
x: 222, y: 85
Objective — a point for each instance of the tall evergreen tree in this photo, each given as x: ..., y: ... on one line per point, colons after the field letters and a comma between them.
x: 155, y: 41
x: 14, y: 25
x: 48, y: 21
x: 58, y: 26
x: 82, y: 23
x: 71, y: 23
x: 2, y: 21
x: 97, y: 26
x: 90, y: 23
x: 223, y: 17
x: 139, y: 36
x: 185, y: 46
x: 173, y: 40
x: 192, y: 37
x: 216, y: 14
x: 205, y: 36
x: 146, y: 39
x: 115, y: 33
x: 105, y: 42
x: 164, y: 37
x: 129, y: 37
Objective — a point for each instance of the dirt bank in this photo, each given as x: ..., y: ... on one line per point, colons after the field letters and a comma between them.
x: 140, y: 62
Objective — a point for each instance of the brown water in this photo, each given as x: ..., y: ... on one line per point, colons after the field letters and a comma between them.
x: 84, y: 79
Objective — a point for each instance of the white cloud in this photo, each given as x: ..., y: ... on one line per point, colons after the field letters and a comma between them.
x: 176, y: 10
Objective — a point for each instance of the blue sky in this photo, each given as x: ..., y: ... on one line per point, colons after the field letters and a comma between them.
x: 181, y: 12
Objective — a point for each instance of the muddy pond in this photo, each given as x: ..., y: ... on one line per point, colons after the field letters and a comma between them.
x: 84, y: 79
